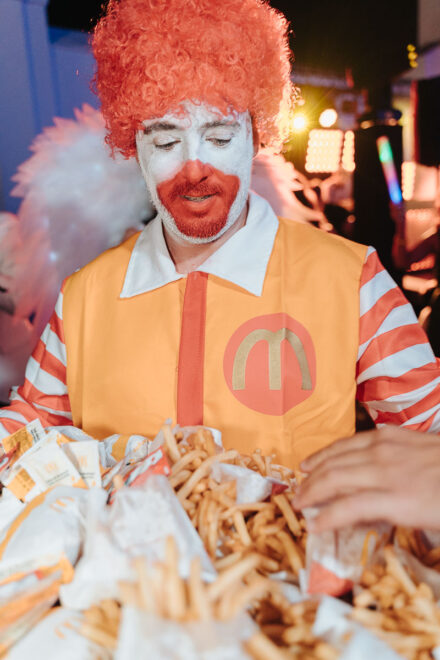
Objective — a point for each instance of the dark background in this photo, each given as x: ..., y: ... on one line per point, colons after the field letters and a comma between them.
x: 369, y: 37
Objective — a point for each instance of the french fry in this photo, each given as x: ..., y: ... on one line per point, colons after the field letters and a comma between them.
x: 262, y: 648
x: 199, y: 603
x: 231, y: 575
x: 174, y: 586
x: 228, y: 560
x: 187, y: 459
x: 432, y: 557
x: 203, y: 470
x: 98, y: 636
x: 286, y: 509
x: 241, y: 528
x: 207, y: 440
x: 118, y: 482
x: 170, y: 443
x: 294, y: 555
x: 259, y: 462
x: 396, y: 569
x: 145, y: 595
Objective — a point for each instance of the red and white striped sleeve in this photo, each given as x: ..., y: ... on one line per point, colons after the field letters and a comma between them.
x: 398, y: 376
x: 44, y: 391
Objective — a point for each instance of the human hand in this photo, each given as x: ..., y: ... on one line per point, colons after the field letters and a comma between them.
x: 390, y: 474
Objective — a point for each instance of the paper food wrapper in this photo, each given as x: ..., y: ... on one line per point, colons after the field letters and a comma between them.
x: 102, y: 564
x: 24, y: 602
x: 135, y: 471
x: 52, y: 524
x: 19, y: 442
x: 335, y: 560
x: 42, y: 465
x: 57, y: 636
x: 85, y: 458
x: 112, y: 449
x: 143, y: 636
x: 137, y: 524
x: 333, y: 624
x: 251, y: 486
x: 10, y: 507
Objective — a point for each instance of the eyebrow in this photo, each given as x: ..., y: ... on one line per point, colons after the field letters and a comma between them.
x: 224, y: 122
x: 159, y: 126
x: 166, y: 126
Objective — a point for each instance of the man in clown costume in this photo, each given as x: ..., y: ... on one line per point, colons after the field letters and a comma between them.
x: 218, y: 312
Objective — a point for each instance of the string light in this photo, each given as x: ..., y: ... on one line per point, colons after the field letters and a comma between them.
x: 408, y: 179
x: 348, y: 162
x: 324, y: 150
x: 412, y: 56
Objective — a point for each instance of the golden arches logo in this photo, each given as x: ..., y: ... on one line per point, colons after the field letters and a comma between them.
x: 273, y: 339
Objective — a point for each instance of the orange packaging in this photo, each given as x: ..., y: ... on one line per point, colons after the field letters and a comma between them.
x: 21, y: 484
x: 19, y: 442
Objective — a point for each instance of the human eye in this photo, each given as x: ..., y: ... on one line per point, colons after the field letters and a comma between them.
x: 219, y: 141
x: 165, y: 146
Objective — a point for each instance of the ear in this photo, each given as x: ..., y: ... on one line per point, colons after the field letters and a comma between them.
x: 255, y: 137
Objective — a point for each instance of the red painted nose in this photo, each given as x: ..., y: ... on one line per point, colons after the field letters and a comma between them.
x: 196, y: 171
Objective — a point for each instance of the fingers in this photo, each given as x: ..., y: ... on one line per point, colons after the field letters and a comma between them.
x: 330, y: 481
x: 357, y: 442
x: 364, y: 507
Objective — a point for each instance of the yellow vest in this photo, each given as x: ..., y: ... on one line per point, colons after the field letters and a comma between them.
x: 279, y: 369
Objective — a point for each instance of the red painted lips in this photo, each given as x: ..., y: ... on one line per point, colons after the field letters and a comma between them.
x: 199, y: 198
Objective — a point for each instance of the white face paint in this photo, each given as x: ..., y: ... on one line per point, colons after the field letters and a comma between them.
x: 197, y: 169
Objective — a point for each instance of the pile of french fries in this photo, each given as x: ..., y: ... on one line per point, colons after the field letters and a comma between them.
x: 414, y: 542
x: 159, y: 590
x: 289, y: 627
x: 401, y: 611
x: 101, y: 623
x: 248, y: 543
x: 230, y: 531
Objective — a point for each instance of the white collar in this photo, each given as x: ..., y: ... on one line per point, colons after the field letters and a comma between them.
x: 242, y: 259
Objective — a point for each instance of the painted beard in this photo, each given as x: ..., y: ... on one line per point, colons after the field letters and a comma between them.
x: 200, y: 208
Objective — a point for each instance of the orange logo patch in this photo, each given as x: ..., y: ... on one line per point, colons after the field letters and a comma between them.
x: 270, y: 364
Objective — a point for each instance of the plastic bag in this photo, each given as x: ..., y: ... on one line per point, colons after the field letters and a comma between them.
x: 144, y: 637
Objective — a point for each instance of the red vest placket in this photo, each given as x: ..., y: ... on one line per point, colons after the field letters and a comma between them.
x: 192, y: 351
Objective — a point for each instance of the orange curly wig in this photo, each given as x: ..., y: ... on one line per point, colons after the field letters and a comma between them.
x: 154, y: 54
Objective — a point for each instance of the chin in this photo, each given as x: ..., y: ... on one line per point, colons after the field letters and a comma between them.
x: 200, y: 239
x: 201, y: 228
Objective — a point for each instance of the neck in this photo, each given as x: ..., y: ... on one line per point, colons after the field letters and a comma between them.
x: 189, y: 256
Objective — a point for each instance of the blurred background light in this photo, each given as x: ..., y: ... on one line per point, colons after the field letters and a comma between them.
x: 324, y: 150
x: 348, y: 162
x: 328, y: 117
x: 408, y: 179
x: 299, y: 123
